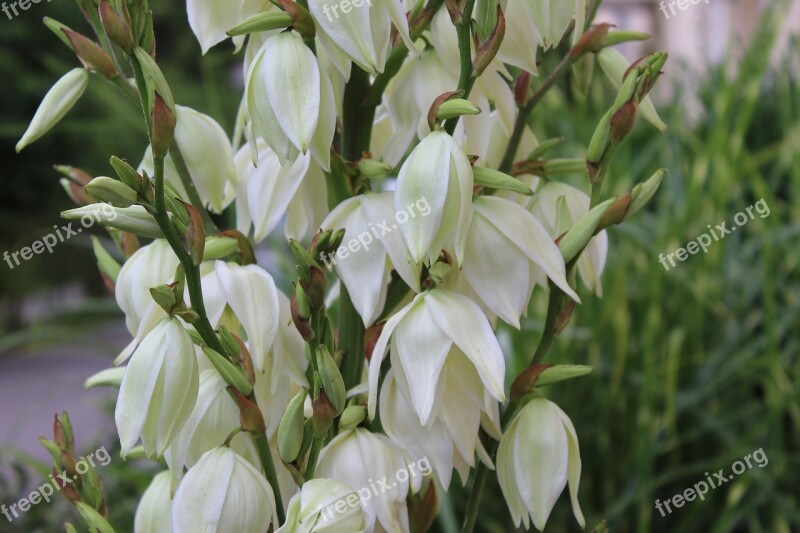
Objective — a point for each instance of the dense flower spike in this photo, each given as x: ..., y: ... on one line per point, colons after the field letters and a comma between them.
x: 394, y: 142
x: 538, y: 456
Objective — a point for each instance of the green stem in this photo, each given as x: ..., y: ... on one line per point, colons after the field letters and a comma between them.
x: 550, y: 325
x: 316, y: 446
x: 351, y: 337
x: 526, y: 110
x: 272, y: 476
x: 466, y: 79
x: 186, y: 180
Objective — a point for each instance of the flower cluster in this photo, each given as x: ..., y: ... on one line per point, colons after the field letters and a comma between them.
x: 269, y: 406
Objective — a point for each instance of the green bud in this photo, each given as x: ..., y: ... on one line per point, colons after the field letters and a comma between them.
x: 69, y: 528
x: 643, y: 192
x: 93, y: 519
x: 219, y: 247
x: 291, y: 429
x: 623, y: 36
x: 127, y: 174
x: 332, y: 382
x: 493, y: 179
x: 303, y: 305
x: 112, y: 191
x: 117, y: 26
x: 439, y: 272
x: 564, y: 166
x: 456, y: 108
x: 352, y: 417
x: 582, y: 232
x: 105, y: 263
x: 58, y: 28
x: 165, y: 297
x: 627, y: 90
x: 134, y: 219
x: 154, y: 80
x: 231, y: 373
x: 267, y: 21
x: 544, y: 146
x: 556, y: 373
x: 600, y: 139
x: 369, y: 168
x: 55, y: 105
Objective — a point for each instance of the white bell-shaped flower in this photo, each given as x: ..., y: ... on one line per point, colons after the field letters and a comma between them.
x: 325, y: 506
x: 223, y: 492
x: 506, y: 249
x: 558, y: 206
x: 451, y: 439
x: 358, y: 458
x: 372, y: 247
x: 423, y: 335
x: 214, y: 417
x: 154, y: 512
x: 208, y: 154
x: 537, y: 457
x: 290, y: 99
x: 149, y: 266
x: 360, y: 30
x: 159, y: 389
x: 439, y: 173
x: 553, y: 17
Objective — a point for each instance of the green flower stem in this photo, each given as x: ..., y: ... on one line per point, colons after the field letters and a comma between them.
x: 526, y: 110
x: 272, y: 476
x: 316, y: 446
x: 186, y: 180
x: 202, y: 325
x: 466, y: 79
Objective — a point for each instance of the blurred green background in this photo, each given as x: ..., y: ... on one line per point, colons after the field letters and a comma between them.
x: 696, y: 367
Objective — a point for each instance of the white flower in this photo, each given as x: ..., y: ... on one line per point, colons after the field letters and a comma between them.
x: 211, y: 19
x: 372, y: 247
x: 317, y: 509
x: 223, y: 492
x: 507, y: 248
x: 154, y: 512
x: 558, y: 206
x: 266, y: 191
x: 438, y: 172
x: 537, y: 456
x: 208, y: 155
x: 358, y: 458
x: 552, y: 17
x: 158, y: 390
x: 290, y: 99
x: 56, y: 103
x: 423, y: 336
x: 214, y: 417
x: 451, y: 439
x: 362, y: 33
x: 148, y: 267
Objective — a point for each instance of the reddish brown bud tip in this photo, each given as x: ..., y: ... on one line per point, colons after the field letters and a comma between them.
x: 525, y: 381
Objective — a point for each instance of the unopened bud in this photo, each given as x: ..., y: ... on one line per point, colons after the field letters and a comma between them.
x: 134, y: 219
x: 91, y: 54
x: 591, y: 41
x: 352, y: 417
x: 117, y: 26
x: 643, y: 192
x: 493, y: 179
x: 324, y: 414
x: 231, y: 373
x: 219, y: 248
x: 600, y: 139
x: 163, y: 122
x: 250, y: 417
x: 623, y: 120
x: 369, y: 168
x: 301, y: 18
x: 316, y: 287
x: 291, y: 429
x: 582, y: 232
x: 266, y: 21
x: 456, y: 108
x: 105, y: 263
x: 487, y: 50
x: 623, y: 36
x: 332, y: 382
x: 127, y: 174
x: 112, y: 191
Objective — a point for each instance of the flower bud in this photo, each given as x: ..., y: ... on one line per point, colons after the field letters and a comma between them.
x: 266, y: 21
x: 314, y: 509
x: 91, y: 54
x: 117, y: 26
x: 332, y: 381
x: 134, y: 219
x: 582, y: 232
x: 55, y: 104
x: 643, y: 192
x: 492, y: 179
x: 203, y: 500
x: 352, y: 417
x: 219, y: 248
x: 456, y: 108
x: 162, y: 122
x: 369, y: 168
x: 290, y: 430
x: 112, y: 191
x: 105, y: 263
x: 232, y: 375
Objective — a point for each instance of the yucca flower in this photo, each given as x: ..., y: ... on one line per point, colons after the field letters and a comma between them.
x: 223, y: 492
x: 159, y: 389
x: 537, y: 457
x: 290, y: 99
x: 313, y: 509
x: 154, y: 512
